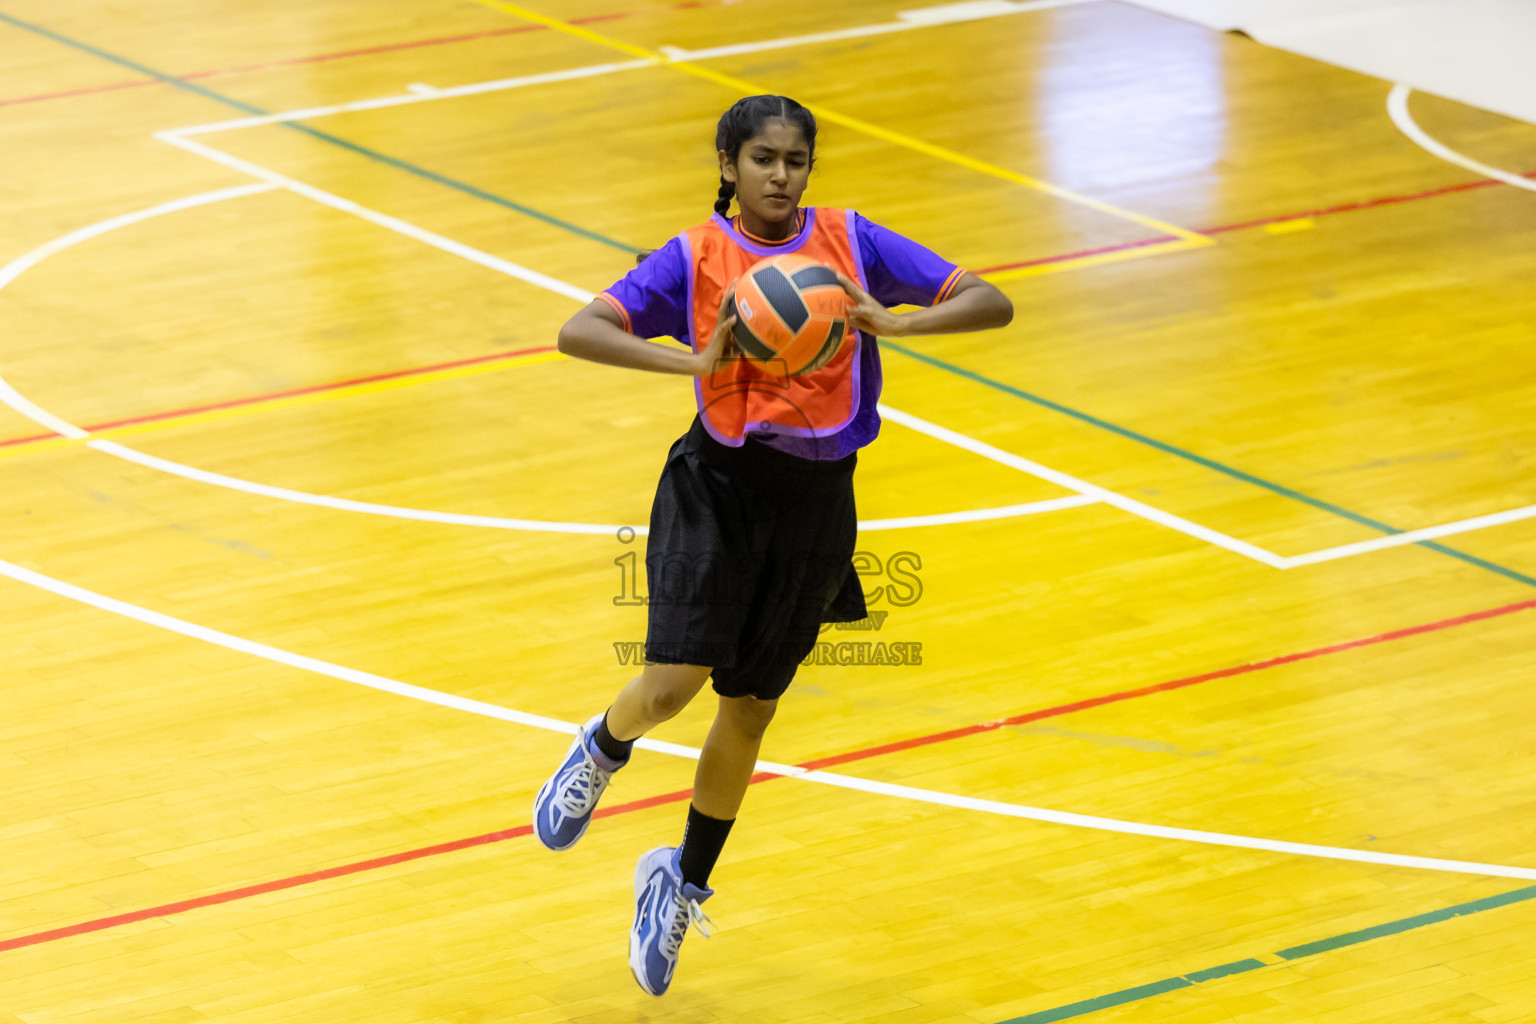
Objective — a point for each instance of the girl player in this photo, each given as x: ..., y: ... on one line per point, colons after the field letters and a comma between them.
x: 753, y: 527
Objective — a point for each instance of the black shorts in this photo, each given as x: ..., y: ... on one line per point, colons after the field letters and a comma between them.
x: 750, y: 551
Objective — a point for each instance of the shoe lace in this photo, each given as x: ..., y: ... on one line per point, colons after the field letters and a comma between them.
x: 575, y: 796
x: 687, y: 913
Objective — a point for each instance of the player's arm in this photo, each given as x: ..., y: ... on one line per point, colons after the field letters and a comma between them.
x: 973, y: 305
x: 597, y: 334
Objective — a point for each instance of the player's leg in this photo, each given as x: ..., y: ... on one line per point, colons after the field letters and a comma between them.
x: 654, y: 696
x: 671, y: 882
x: 563, y: 808
x: 730, y: 758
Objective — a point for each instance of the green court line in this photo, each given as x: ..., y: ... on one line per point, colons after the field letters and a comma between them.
x: 577, y: 229
x: 1201, y: 460
x: 1156, y: 988
x: 335, y: 140
x: 1406, y: 924
x: 1073, y: 1009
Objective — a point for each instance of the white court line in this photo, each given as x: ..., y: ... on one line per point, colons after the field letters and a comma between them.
x: 385, y: 684
x: 10, y: 396
x: 1087, y: 493
x: 415, y: 95
x: 1005, y: 512
x: 1514, y: 515
x: 928, y: 796
x: 348, y: 505
x: 531, y: 525
x: 1397, y: 104
x: 383, y: 220
x: 14, y: 269
x: 975, y: 10
x: 1397, y: 109
x: 1083, y: 487
x: 925, y: 17
x: 1188, y: 835
x: 19, y: 402
x: 951, y: 437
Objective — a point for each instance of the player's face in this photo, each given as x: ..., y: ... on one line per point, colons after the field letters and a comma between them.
x: 770, y: 172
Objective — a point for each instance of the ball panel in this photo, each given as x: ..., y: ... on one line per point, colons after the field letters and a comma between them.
x: 826, y: 301
x: 828, y: 348
x: 791, y: 315
x: 782, y: 296
x: 814, y: 275
x: 806, y: 344
x: 754, y: 347
x: 757, y: 313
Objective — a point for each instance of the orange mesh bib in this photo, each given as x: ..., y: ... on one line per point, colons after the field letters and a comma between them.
x: 738, y: 397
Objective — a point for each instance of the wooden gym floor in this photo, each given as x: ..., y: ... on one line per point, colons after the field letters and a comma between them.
x: 311, y: 547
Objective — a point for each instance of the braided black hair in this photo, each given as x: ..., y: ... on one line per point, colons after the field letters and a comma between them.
x: 746, y: 119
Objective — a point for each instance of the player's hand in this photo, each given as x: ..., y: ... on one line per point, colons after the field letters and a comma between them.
x: 867, y: 315
x: 721, y: 347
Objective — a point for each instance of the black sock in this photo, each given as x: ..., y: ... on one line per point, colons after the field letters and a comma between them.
x: 703, y: 840
x: 615, y: 749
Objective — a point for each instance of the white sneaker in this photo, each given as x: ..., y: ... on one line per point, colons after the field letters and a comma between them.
x: 563, y: 808
x: 665, y: 906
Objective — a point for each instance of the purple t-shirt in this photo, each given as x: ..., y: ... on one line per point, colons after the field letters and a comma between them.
x: 653, y: 300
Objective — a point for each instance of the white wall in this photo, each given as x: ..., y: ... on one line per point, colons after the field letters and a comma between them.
x: 1481, y: 52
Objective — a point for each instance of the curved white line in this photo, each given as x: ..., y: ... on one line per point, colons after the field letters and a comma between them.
x: 505, y: 714
x: 1397, y: 109
x: 19, y: 402
x: 14, y: 269
x: 347, y: 504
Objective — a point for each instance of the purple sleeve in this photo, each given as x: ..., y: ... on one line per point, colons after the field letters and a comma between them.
x: 899, y: 271
x: 653, y: 298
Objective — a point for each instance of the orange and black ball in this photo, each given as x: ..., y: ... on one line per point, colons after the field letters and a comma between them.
x: 791, y: 314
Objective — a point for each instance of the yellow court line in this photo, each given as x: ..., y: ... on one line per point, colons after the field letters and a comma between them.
x: 1285, y: 227
x: 285, y: 402
x: 458, y: 372
x: 41, y: 445
x: 1191, y: 238
x: 1097, y: 259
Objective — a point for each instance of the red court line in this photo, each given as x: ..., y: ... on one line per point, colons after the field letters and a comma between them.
x: 1174, y: 684
x: 316, y: 389
x: 1327, y: 211
x: 294, y: 881
x: 79, y: 92
x: 214, y: 899
x: 317, y: 59
x: 13, y: 441
x: 1364, y: 204
x: 342, y: 54
x: 1080, y: 254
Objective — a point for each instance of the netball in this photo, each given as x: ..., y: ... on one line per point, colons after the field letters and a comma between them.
x: 791, y: 314
x: 1038, y: 525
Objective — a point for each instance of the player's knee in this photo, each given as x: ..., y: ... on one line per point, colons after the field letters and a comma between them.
x: 750, y: 715
x: 665, y: 702
x: 669, y: 688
